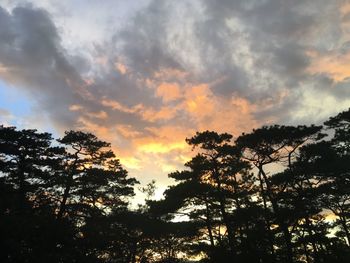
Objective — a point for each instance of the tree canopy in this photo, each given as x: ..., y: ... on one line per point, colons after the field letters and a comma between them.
x: 276, y: 194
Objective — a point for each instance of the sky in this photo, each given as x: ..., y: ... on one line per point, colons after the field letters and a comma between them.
x: 146, y: 74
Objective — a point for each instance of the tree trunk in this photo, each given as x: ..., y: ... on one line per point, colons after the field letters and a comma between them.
x: 283, y: 227
x: 63, y: 204
x: 225, y: 216
x: 70, y: 174
x: 208, y: 222
x: 267, y: 222
x: 22, y: 187
x: 346, y: 229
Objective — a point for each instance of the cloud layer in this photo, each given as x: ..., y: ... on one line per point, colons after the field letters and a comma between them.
x: 152, y: 74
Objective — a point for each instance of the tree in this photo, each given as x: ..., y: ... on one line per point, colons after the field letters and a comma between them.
x: 278, y: 194
x: 216, y: 192
x: 29, y: 230
x: 338, y: 198
x: 27, y: 159
x: 93, y: 181
x: 276, y: 145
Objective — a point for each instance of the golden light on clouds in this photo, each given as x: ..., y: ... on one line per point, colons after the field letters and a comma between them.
x: 198, y: 102
x: 101, y: 60
x: 98, y: 115
x: 185, y: 108
x: 89, y: 81
x: 127, y: 131
x: 163, y: 140
x: 156, y: 147
x: 154, y: 82
x: 3, y: 69
x: 131, y: 163
x: 167, y: 74
x: 120, y: 67
x: 91, y: 126
x: 345, y: 8
x: 115, y: 105
x: 168, y: 91
x: 333, y: 64
x: 164, y: 113
x: 75, y: 107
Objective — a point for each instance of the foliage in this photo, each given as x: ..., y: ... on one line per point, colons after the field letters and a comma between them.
x: 277, y: 194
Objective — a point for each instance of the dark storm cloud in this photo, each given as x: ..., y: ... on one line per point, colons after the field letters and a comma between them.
x: 256, y: 50
x: 39, y: 67
x: 273, y: 30
x: 30, y: 51
x: 289, y: 60
x: 174, y: 67
x: 340, y: 90
x: 278, y: 34
x: 143, y: 44
x: 253, y: 49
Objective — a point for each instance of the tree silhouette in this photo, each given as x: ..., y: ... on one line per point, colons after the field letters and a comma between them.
x: 29, y: 230
x: 277, y: 194
x: 92, y: 179
x: 276, y: 145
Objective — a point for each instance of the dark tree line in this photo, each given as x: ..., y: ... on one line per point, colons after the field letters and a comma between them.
x: 278, y: 194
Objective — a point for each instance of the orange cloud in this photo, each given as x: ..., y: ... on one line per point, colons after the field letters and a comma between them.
x: 101, y: 60
x: 121, y: 68
x: 158, y: 147
x: 3, y: 69
x: 128, y: 132
x: 89, y: 81
x: 163, y: 139
x: 131, y: 163
x: 335, y: 65
x: 170, y: 75
x: 345, y: 22
x: 115, y: 105
x: 164, y: 113
x: 146, y: 113
x: 75, y: 107
x: 168, y: 91
x: 208, y: 111
x: 233, y: 115
x: 99, y: 130
x: 98, y: 115
x: 345, y: 8
x: 170, y: 132
x: 199, y: 101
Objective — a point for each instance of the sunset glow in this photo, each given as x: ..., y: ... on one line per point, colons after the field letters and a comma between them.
x: 146, y: 75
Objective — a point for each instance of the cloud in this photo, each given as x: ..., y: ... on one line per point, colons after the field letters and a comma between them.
x: 168, y: 91
x: 334, y: 63
x: 5, y: 117
x: 34, y: 60
x: 148, y: 77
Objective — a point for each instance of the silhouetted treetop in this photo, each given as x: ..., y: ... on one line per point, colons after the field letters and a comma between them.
x: 278, y: 194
